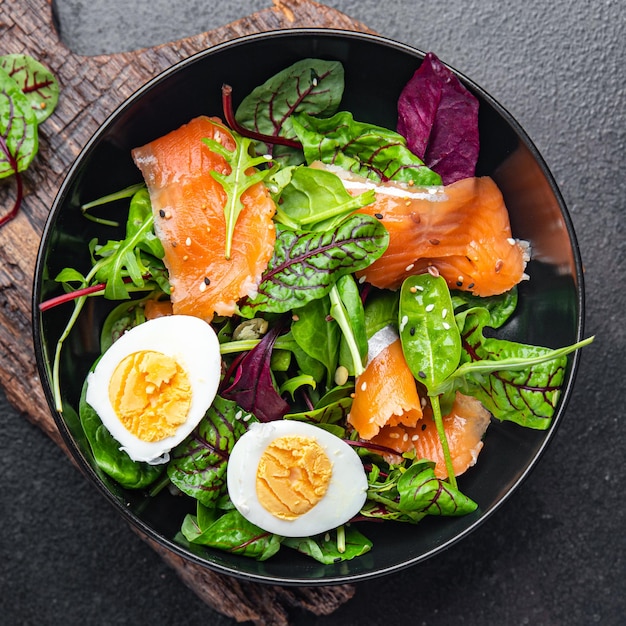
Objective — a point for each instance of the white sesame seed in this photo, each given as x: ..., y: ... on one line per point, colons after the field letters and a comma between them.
x: 363, y: 386
x: 361, y: 279
x: 405, y: 437
x: 394, y: 435
x: 202, y: 286
x: 238, y: 415
x: 444, y: 312
x: 429, y: 307
x: 511, y: 241
x: 408, y: 268
x: 415, y: 437
x: 404, y: 322
x: 247, y: 417
x: 188, y: 241
x: 446, y: 326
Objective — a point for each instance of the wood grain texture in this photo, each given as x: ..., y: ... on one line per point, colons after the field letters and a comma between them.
x: 91, y: 88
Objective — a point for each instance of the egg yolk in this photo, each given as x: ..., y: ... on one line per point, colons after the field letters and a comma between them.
x: 151, y: 394
x: 292, y: 476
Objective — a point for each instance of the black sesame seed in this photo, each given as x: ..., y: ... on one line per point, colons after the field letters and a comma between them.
x: 421, y: 374
x: 470, y: 286
x: 423, y: 427
x: 412, y: 331
x: 378, y: 216
x: 207, y: 281
x: 161, y: 212
x: 459, y: 283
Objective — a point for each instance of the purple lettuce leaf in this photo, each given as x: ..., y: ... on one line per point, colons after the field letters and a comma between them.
x: 253, y: 388
x: 438, y: 117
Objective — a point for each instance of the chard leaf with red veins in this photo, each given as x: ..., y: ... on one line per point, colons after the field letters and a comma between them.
x: 19, y: 140
x: 438, y: 117
x: 364, y: 149
x: 36, y: 82
x: 253, y: 388
x: 313, y: 86
x: 198, y: 465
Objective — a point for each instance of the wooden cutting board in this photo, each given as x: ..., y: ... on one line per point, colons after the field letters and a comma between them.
x: 91, y: 88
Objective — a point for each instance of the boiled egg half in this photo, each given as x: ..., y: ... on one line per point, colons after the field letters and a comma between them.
x: 155, y: 383
x: 295, y: 479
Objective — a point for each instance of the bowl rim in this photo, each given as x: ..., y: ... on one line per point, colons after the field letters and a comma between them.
x: 42, y: 362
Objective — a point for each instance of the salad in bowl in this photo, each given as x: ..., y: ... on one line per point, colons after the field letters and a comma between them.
x: 293, y: 328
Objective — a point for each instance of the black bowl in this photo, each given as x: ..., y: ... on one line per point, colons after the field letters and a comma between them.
x: 550, y: 310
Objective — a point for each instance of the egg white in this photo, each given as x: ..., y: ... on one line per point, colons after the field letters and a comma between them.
x: 193, y: 344
x: 344, y: 498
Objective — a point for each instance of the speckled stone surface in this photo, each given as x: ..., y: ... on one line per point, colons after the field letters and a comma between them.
x: 555, y: 552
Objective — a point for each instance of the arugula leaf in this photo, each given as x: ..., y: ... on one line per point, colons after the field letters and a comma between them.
x: 364, y: 149
x: 313, y: 86
x: 230, y: 532
x: 35, y: 81
x: 119, y: 259
x: 198, y: 465
x: 306, y: 265
x: 316, y: 199
x: 243, y: 174
x: 107, y: 453
x: 19, y: 139
x: 342, y: 544
x: 410, y: 494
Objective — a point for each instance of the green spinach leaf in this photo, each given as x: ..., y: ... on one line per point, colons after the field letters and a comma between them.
x: 500, y: 307
x: 107, y: 454
x: 430, y: 338
x: 347, y: 309
x: 230, y: 532
x: 342, y: 544
x: 317, y: 335
x: 316, y: 199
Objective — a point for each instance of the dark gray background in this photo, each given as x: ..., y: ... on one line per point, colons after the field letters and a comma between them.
x: 554, y: 554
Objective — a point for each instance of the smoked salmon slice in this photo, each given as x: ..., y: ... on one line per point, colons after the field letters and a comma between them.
x: 188, y: 207
x: 386, y: 393
x: 462, y: 230
x: 464, y: 426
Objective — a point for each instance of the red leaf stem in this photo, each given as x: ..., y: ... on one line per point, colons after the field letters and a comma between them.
x: 18, y: 180
x: 229, y: 114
